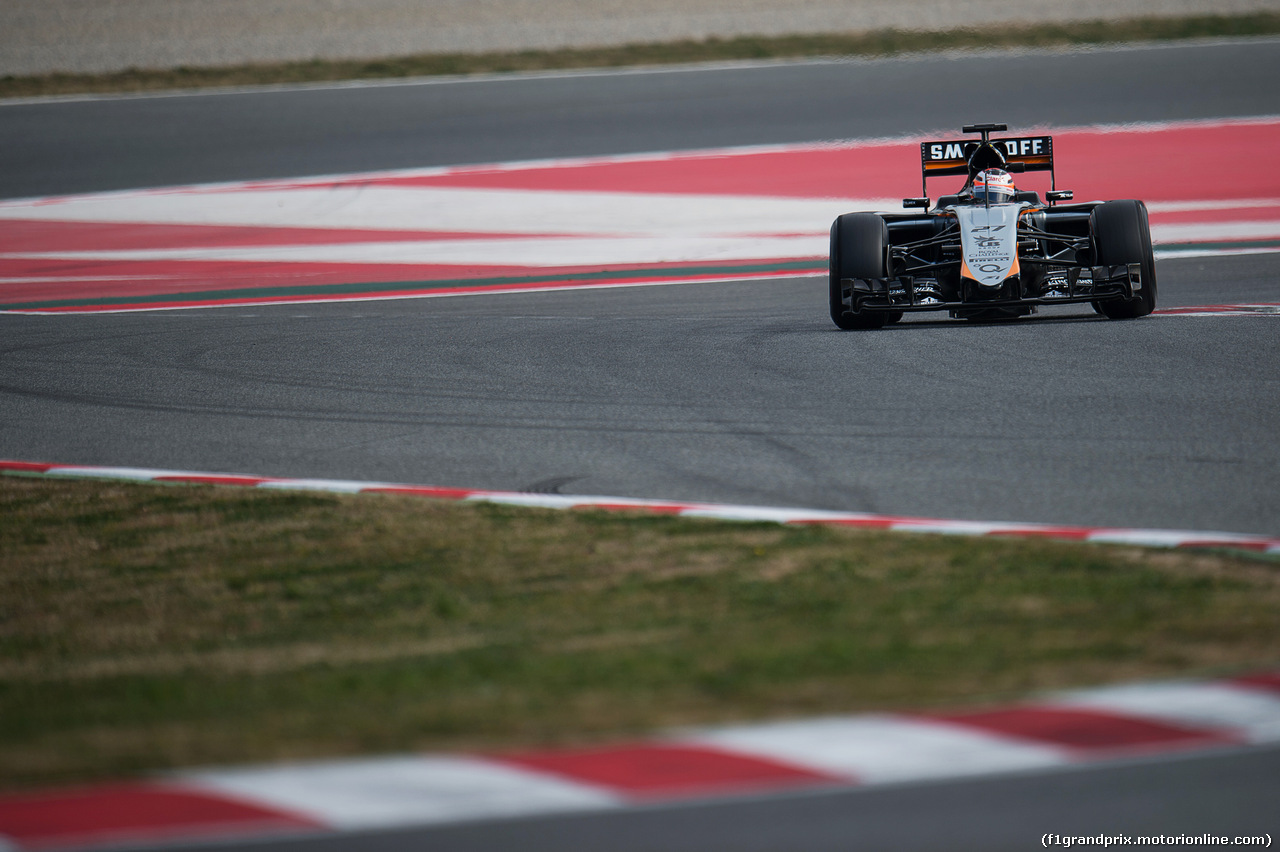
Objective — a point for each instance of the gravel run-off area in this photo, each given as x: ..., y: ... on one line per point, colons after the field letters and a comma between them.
x: 98, y: 36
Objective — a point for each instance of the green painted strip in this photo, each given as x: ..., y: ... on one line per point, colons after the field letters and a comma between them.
x: 356, y: 289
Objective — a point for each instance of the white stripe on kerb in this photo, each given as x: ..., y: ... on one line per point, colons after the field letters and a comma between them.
x: 1215, y: 231
x: 131, y: 473
x: 385, y: 792
x: 482, y: 211
x: 1250, y: 714
x: 883, y: 749
x: 1161, y: 538
x: 338, y: 486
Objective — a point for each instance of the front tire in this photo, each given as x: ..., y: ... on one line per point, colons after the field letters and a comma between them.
x: 1122, y: 234
x: 859, y: 249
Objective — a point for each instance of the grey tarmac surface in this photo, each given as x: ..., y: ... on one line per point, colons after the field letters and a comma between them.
x: 727, y: 392
x: 737, y: 392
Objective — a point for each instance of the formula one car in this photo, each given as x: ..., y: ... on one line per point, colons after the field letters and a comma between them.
x: 991, y: 251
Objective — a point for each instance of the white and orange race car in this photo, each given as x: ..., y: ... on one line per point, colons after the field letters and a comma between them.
x: 991, y: 251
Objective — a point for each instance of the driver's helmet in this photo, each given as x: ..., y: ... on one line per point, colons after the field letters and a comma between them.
x: 994, y: 186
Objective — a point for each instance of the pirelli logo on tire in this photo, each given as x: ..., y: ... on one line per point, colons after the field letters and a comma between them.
x: 951, y: 156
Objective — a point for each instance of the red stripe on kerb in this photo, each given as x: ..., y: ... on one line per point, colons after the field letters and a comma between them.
x: 870, y: 523
x: 38, y: 235
x: 1148, y: 163
x: 671, y: 509
x: 661, y: 771
x: 1070, y: 533
x: 30, y: 467
x: 1269, y: 681
x: 422, y: 491
x: 250, y: 297
x: 132, y: 812
x: 1083, y: 730
x: 859, y: 171
x: 107, y: 278
x: 196, y: 479
x: 1259, y: 546
x: 1151, y: 163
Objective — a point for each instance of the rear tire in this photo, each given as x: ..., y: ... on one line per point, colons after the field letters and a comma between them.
x: 1122, y: 234
x: 859, y: 249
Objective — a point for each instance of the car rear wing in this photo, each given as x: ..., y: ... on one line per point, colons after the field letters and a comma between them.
x: 951, y: 157
x: 969, y: 156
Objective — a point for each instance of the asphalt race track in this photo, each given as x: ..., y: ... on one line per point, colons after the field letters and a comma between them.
x: 721, y: 392
x: 736, y: 392
x: 728, y: 392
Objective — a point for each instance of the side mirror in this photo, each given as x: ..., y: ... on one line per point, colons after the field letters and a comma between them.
x: 916, y: 202
x: 1060, y: 195
x: 1014, y: 168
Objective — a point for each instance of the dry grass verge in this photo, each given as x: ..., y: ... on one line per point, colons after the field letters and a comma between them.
x: 145, y: 627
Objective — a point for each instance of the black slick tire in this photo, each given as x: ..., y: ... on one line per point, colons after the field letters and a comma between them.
x: 1122, y: 234
x: 858, y: 250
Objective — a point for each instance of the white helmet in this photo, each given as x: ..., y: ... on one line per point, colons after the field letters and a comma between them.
x: 994, y: 186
